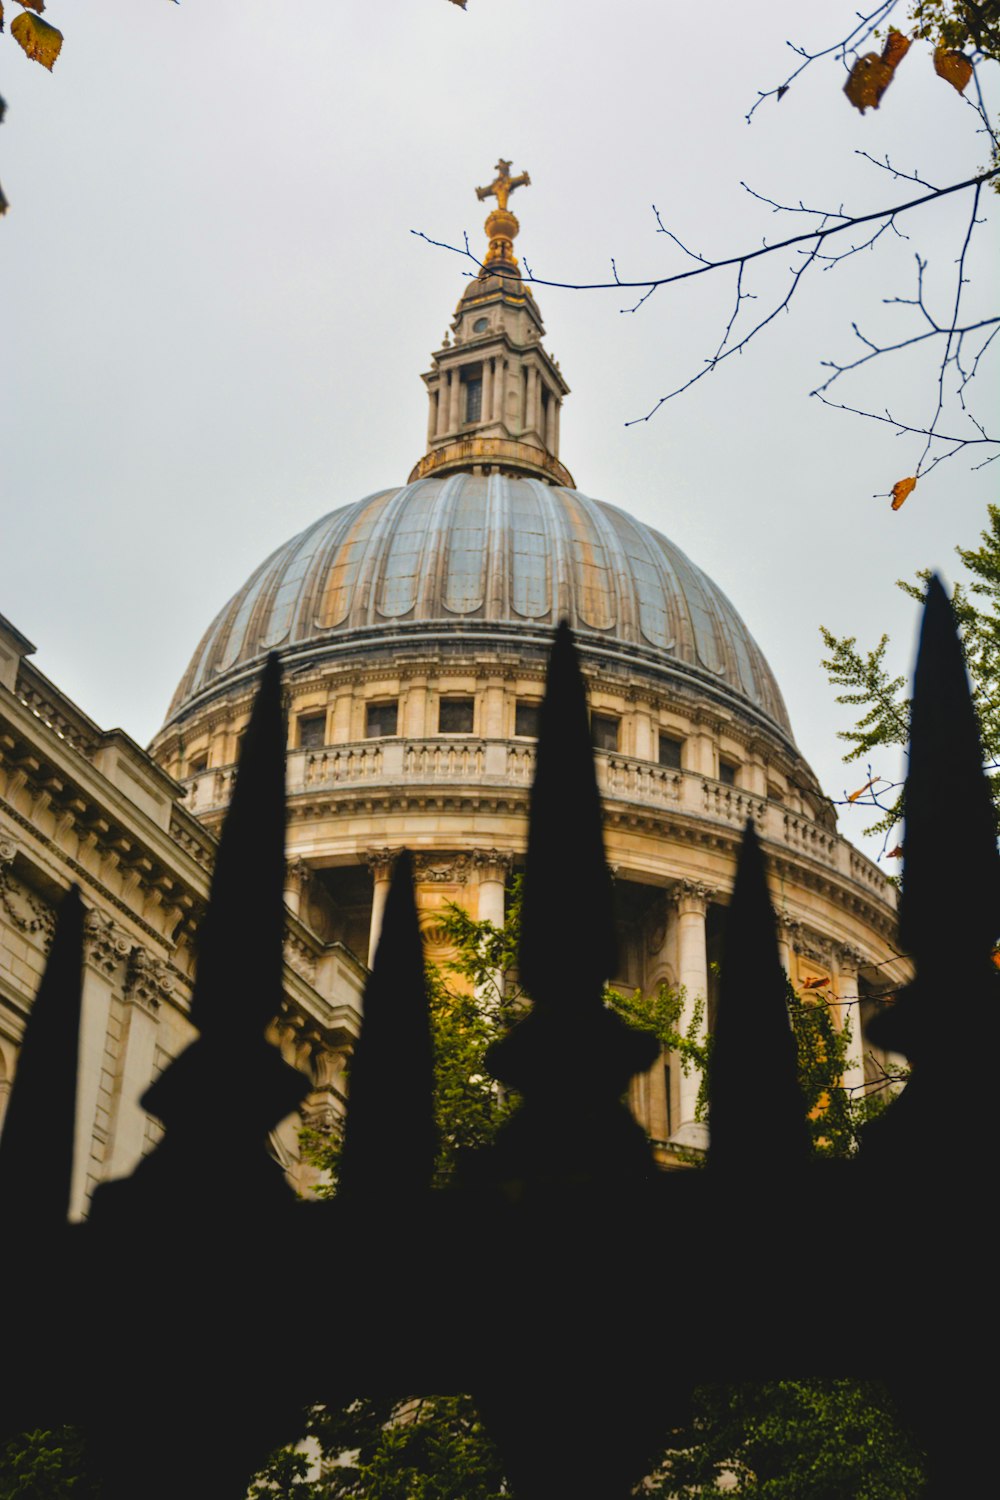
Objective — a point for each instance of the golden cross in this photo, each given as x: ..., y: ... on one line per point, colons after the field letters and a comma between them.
x: 503, y: 184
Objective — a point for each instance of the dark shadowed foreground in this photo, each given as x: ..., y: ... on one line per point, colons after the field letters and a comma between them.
x: 170, y: 1325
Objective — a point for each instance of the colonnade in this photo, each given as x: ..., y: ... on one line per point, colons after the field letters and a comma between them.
x: 680, y: 949
x: 539, y: 415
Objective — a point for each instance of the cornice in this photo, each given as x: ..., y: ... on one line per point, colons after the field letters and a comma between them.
x: 87, y: 804
x: 84, y: 877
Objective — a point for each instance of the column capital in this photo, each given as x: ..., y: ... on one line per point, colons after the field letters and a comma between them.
x: 849, y: 958
x: 380, y: 862
x: 297, y: 874
x: 492, y: 864
x: 691, y: 896
x: 105, y: 946
x: 148, y: 980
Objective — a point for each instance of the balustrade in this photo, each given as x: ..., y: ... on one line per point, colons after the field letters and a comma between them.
x: 471, y: 760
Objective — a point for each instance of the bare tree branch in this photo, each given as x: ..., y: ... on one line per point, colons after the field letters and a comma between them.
x: 866, y: 27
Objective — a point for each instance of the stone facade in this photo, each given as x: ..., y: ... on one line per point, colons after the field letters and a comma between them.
x: 79, y: 805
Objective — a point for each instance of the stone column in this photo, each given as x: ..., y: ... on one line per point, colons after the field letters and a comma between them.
x: 660, y: 943
x: 380, y: 862
x: 492, y: 868
x: 553, y: 434
x: 786, y: 930
x: 487, y: 389
x: 455, y: 392
x: 847, y: 960
x: 297, y: 877
x: 691, y: 899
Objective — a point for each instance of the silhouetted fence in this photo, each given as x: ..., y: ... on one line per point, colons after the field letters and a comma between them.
x: 200, y: 1307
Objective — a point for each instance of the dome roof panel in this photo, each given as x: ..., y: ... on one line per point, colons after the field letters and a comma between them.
x: 343, y: 554
x: 404, y: 557
x: 596, y: 601
x: 508, y: 551
x: 531, y: 587
x: 289, y: 587
x: 463, y: 588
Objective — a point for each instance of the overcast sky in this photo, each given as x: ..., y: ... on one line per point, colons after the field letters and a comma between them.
x: 214, y: 314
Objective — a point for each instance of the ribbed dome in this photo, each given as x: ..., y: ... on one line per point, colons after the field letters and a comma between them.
x: 495, y: 558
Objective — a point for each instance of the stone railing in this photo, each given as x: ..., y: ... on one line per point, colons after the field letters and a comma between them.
x: 470, y: 761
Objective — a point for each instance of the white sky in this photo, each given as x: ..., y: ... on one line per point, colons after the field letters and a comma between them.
x: 213, y: 315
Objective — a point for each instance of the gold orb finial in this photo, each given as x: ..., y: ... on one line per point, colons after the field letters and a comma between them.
x: 501, y: 225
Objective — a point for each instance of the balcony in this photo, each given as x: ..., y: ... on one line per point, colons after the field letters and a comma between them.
x: 508, y: 765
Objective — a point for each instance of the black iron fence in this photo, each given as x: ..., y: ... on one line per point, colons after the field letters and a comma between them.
x: 185, y: 1324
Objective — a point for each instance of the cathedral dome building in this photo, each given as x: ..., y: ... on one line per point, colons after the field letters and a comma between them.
x: 413, y: 628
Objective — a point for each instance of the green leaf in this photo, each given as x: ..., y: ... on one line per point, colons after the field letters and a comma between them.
x: 39, y: 40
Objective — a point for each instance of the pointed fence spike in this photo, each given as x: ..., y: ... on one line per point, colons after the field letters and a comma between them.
x: 756, y: 1112
x: 950, y: 828
x: 240, y: 960
x: 240, y: 945
x: 36, y: 1147
x: 950, y: 906
x: 389, y: 1134
x: 567, y: 926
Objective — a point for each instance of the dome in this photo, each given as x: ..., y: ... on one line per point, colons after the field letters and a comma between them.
x: 497, y: 557
x: 414, y: 628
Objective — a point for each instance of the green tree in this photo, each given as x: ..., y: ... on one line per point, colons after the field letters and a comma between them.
x: 47, y: 1465
x: 883, y: 724
x: 793, y: 1440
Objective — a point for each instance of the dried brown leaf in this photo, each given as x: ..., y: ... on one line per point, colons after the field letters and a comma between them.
x: 40, y: 40
x: 853, y: 797
x: 870, y: 77
x: 815, y: 984
x: 954, y: 67
x: 38, y: 5
x: 896, y: 47
x: 896, y: 853
x: 901, y: 489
